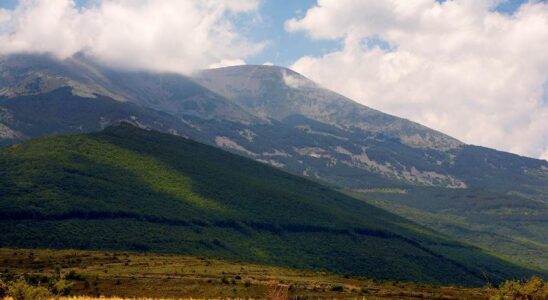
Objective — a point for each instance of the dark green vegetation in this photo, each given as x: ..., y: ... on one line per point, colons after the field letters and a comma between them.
x: 131, y: 189
x: 511, y: 223
x: 489, y: 198
x: 129, y: 275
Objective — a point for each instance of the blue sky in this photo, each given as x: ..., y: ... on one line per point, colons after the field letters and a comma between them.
x: 12, y: 3
x: 285, y: 47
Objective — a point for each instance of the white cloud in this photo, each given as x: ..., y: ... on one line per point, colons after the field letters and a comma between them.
x: 4, y: 15
x: 295, y: 81
x: 167, y: 35
x: 268, y: 63
x: 227, y: 63
x: 544, y: 155
x: 456, y: 66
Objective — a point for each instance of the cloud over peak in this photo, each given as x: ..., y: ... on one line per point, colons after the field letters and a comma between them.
x: 169, y: 35
x: 457, y: 66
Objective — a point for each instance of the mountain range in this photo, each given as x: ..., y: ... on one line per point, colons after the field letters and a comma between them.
x: 492, y: 199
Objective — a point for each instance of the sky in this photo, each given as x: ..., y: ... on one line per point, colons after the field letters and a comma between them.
x: 474, y: 69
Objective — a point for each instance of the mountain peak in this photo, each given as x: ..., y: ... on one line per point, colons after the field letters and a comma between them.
x: 250, y: 76
x: 251, y: 68
x: 278, y: 93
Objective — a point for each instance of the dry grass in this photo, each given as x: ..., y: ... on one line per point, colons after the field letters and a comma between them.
x: 124, y: 275
x: 119, y: 298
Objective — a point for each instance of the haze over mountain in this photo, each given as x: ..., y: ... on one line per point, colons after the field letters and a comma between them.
x: 279, y: 117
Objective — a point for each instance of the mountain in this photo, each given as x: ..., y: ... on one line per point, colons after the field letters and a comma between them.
x: 489, y: 198
x: 280, y: 93
x: 60, y: 111
x: 172, y: 93
x: 364, y: 138
x: 127, y: 188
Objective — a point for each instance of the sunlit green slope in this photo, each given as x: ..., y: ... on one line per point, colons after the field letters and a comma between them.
x: 128, y: 188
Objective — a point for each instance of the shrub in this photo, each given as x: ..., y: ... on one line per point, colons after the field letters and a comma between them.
x: 337, y: 288
x: 3, y: 289
x: 533, y: 289
x: 72, y: 275
x: 62, y: 287
x: 21, y: 290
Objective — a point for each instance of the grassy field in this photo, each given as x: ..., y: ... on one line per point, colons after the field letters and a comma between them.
x: 130, y: 275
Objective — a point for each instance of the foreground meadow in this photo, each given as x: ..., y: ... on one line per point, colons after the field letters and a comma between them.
x: 81, y: 275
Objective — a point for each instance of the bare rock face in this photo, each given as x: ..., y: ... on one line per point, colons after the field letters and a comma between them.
x: 8, y: 133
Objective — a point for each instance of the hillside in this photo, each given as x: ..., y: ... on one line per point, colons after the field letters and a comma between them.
x: 513, y: 225
x: 350, y: 135
x: 61, y: 112
x: 486, y: 197
x: 131, y: 189
x: 267, y: 113
x: 279, y: 117
x: 24, y: 75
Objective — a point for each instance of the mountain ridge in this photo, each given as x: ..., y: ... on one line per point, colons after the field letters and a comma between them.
x: 245, y: 85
